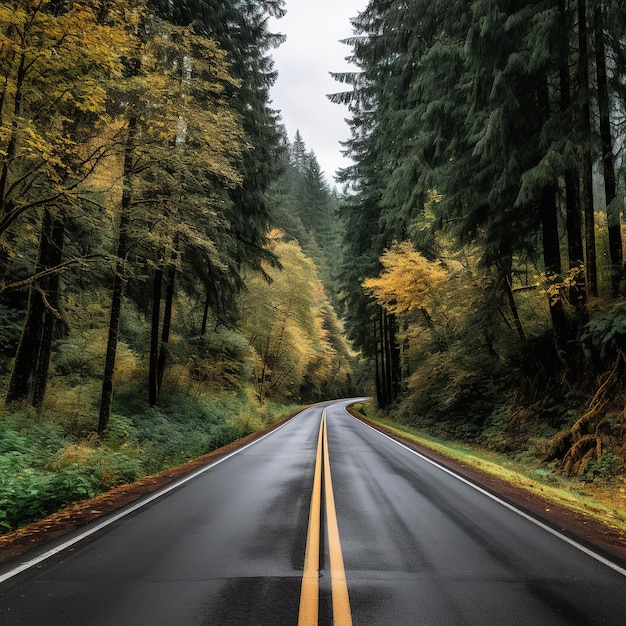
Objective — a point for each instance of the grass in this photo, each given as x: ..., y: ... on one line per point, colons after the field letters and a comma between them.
x: 602, y: 500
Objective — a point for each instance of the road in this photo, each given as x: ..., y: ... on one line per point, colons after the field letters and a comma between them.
x: 324, y: 519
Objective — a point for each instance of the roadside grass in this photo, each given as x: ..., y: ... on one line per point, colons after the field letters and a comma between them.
x: 603, y: 500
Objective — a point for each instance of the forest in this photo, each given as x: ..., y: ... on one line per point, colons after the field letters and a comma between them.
x: 165, y: 248
x: 177, y: 272
x: 488, y: 147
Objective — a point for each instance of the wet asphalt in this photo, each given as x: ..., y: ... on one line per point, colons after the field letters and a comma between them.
x: 419, y: 546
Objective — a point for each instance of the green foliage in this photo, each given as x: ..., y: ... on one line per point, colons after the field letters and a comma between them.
x: 606, y: 332
x: 41, y: 471
x: 44, y: 466
x: 10, y: 330
x: 304, y: 208
x: 141, y: 169
x: 469, y: 136
x: 609, y: 466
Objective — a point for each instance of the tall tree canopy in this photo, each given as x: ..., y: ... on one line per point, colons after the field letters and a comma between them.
x: 480, y: 132
x: 146, y: 124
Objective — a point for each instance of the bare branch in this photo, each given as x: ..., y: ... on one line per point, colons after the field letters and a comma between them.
x: 46, y: 302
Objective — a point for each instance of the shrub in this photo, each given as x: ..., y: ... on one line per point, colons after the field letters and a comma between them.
x: 49, y: 461
x: 609, y: 466
x: 606, y: 333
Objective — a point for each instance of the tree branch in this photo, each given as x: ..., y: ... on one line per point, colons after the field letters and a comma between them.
x: 57, y: 269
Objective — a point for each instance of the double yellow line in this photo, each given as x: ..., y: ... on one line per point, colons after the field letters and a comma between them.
x: 309, y: 595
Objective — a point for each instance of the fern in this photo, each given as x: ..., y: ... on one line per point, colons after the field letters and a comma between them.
x: 606, y: 332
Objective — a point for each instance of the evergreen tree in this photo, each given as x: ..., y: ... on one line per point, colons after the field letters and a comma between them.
x: 305, y: 209
x: 613, y: 204
x: 240, y: 26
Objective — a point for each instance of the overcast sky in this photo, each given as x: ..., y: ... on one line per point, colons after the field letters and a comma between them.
x: 303, y: 62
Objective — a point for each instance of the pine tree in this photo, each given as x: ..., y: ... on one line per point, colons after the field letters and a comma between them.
x: 586, y: 172
x: 368, y: 327
x: 240, y: 26
x: 575, y: 248
x: 613, y: 205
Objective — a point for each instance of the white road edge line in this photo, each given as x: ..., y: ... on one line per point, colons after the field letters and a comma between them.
x: 155, y: 496
x: 598, y: 557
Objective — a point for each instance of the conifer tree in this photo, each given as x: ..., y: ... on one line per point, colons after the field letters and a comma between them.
x: 586, y: 167
x: 613, y: 204
x: 240, y: 26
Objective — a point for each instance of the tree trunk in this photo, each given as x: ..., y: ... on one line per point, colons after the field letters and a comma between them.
x: 390, y: 358
x: 12, y: 144
x: 506, y: 277
x: 586, y: 192
x: 394, y: 359
x: 31, y: 364
x: 153, y: 384
x: 167, y: 324
x: 205, y: 315
x: 378, y: 366
x: 51, y: 316
x: 575, y: 248
x: 119, y: 278
x: 608, y: 160
x: 384, y: 359
x: 7, y: 205
x: 552, y: 262
x: 550, y: 235
x: 263, y: 377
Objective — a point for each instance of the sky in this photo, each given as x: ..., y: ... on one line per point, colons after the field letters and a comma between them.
x: 303, y: 62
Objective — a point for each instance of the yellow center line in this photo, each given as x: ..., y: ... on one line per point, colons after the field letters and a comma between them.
x: 309, y: 594
x: 341, y: 602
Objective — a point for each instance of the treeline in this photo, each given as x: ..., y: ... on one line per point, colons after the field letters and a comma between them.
x: 138, y: 153
x: 484, y: 273
x: 307, y: 210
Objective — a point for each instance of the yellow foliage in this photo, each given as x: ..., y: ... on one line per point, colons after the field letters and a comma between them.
x: 408, y: 280
x: 72, y: 454
x: 283, y: 320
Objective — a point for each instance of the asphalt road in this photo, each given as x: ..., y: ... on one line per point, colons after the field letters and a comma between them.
x: 401, y: 541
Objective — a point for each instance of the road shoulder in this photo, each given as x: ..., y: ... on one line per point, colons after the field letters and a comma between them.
x: 602, y: 538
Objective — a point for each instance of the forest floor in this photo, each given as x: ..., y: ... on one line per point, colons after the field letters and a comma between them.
x: 586, y: 528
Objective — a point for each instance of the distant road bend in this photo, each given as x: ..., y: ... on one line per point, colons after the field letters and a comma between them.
x: 323, y: 521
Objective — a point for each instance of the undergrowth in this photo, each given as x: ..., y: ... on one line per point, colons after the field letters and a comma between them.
x: 51, y: 460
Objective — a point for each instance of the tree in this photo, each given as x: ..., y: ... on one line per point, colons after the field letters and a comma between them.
x: 50, y: 148
x: 305, y: 209
x: 62, y: 53
x: 182, y: 149
x: 408, y: 281
x: 284, y: 322
x: 586, y: 189
x: 575, y: 248
x: 241, y: 28
x: 30, y: 369
x: 613, y: 205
